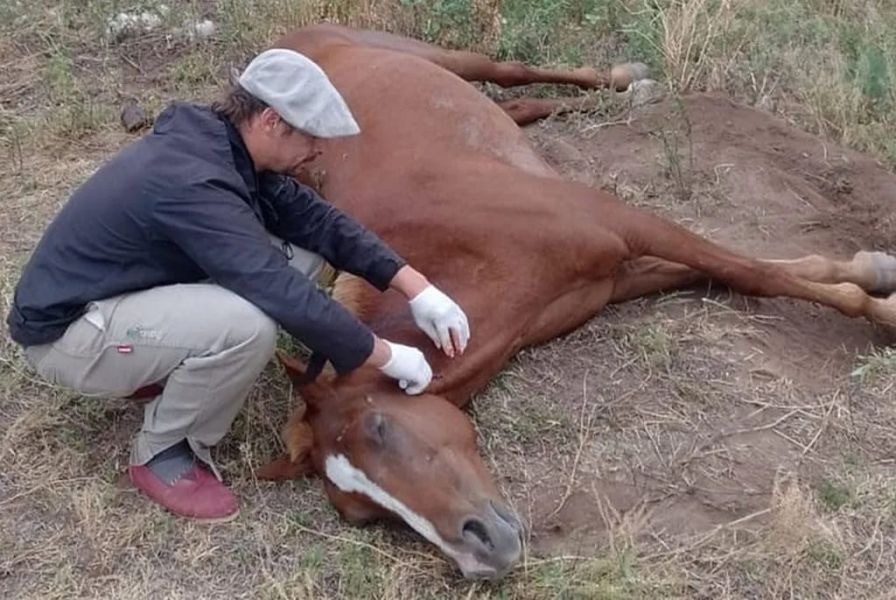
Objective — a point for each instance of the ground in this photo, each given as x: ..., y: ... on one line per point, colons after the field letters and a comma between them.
x: 694, y: 444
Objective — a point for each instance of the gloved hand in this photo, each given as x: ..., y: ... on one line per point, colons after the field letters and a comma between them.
x: 409, y: 367
x: 441, y: 319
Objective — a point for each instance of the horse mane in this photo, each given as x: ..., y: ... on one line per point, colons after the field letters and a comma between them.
x: 355, y: 294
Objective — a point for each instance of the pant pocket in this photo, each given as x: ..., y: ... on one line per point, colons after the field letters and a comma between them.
x: 84, y: 337
x: 65, y: 361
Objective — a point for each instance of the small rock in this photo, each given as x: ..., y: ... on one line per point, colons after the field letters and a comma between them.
x: 125, y: 23
x: 133, y: 117
x: 196, y: 30
x: 204, y: 29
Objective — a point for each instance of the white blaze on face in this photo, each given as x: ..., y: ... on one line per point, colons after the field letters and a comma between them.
x: 349, y: 479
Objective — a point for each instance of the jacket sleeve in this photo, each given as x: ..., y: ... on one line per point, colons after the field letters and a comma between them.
x: 217, y: 230
x: 308, y: 221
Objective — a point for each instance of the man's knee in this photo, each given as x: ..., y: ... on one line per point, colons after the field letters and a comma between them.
x: 251, y: 326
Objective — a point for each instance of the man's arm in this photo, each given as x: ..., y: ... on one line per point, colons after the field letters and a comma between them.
x: 308, y: 221
x: 220, y: 233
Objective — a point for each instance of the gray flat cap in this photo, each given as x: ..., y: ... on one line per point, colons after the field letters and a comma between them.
x: 300, y: 92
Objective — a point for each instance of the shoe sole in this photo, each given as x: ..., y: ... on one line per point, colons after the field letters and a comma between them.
x: 212, y: 520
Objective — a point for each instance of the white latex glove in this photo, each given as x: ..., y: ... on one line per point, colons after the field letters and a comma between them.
x: 409, y: 367
x: 441, y: 319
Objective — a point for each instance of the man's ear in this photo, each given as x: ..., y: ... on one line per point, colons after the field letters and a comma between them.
x: 313, y: 393
x: 269, y: 119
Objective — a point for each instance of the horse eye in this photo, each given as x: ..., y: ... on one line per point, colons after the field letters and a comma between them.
x: 376, y: 428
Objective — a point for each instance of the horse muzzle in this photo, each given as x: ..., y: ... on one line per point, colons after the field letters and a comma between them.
x: 491, y: 542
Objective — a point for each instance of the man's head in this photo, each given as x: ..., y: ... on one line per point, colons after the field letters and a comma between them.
x: 282, y: 104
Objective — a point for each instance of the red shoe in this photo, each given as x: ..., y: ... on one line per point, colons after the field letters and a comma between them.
x: 196, y: 494
x: 146, y: 392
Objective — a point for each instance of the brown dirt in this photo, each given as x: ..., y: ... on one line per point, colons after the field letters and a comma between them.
x: 689, y: 442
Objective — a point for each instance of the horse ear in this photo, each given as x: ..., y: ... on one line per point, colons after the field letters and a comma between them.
x: 293, y: 366
x: 314, y: 392
x: 299, y: 439
x: 282, y: 468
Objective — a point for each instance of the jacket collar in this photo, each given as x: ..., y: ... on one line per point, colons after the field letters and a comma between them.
x: 241, y: 158
x: 208, y: 134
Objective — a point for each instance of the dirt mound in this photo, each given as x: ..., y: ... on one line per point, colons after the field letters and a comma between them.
x: 677, y: 414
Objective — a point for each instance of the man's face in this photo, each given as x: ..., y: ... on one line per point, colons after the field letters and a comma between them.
x: 290, y: 148
x: 279, y: 147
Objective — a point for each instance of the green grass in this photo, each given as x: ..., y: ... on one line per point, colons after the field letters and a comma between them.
x: 879, y: 364
x: 832, y: 495
x: 653, y: 344
x: 827, y: 65
x: 609, y: 578
x: 825, y: 555
x: 832, y: 70
x: 564, y: 32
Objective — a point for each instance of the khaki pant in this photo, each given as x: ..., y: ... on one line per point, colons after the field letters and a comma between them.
x: 205, y: 344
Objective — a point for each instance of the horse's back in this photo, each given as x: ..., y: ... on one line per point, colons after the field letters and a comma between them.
x: 412, y: 111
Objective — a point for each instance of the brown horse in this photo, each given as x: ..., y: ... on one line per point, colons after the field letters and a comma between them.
x: 448, y: 178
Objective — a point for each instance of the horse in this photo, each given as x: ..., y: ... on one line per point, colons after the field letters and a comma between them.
x: 447, y: 177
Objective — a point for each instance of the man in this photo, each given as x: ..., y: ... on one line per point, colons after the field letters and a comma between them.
x: 174, y: 263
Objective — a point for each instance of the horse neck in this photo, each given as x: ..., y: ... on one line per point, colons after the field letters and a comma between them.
x: 503, y: 271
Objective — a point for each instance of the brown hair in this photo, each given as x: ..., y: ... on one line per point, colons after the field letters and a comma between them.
x: 237, y: 105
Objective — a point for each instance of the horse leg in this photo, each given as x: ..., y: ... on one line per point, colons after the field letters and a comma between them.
x: 478, y: 67
x: 648, y: 275
x: 872, y: 271
x: 528, y: 110
x: 646, y: 234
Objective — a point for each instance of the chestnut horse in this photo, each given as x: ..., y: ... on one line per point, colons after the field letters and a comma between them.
x: 449, y: 180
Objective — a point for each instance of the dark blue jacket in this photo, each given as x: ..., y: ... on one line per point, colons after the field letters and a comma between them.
x: 184, y: 204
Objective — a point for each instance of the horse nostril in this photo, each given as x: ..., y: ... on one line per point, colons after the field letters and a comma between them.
x: 475, y: 528
x: 510, y: 519
x: 507, y: 516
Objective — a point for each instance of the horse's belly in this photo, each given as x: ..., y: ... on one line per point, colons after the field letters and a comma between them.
x: 570, y: 311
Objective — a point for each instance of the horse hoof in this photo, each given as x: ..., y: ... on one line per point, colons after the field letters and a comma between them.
x: 638, y: 71
x: 883, y: 269
x: 646, y: 91
x: 624, y: 75
x: 886, y: 314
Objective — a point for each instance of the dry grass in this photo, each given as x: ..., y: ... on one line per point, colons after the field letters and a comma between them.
x: 827, y: 65
x: 652, y: 451
x: 694, y: 40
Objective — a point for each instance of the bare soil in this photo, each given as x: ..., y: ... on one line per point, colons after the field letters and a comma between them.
x: 689, y: 441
